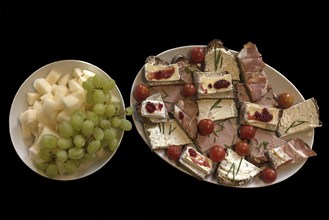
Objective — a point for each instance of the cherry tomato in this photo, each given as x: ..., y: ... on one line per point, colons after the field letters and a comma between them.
x: 285, y: 100
x: 197, y: 55
x: 205, y: 127
x: 141, y: 92
x: 268, y: 175
x: 217, y: 153
x: 247, y: 132
x: 242, y: 148
x: 174, y: 152
x: 189, y: 89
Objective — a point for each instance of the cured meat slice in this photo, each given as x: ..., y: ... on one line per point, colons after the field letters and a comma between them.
x: 260, y: 144
x: 186, y: 113
x: 170, y: 94
x: 252, y: 71
x: 225, y: 134
x: 294, y: 151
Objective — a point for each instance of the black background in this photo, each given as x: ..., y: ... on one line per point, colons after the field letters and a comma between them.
x: 117, y: 36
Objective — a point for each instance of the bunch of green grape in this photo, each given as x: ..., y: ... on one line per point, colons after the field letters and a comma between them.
x: 86, y: 133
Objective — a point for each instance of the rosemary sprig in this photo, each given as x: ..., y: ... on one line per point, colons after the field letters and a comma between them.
x: 215, y: 134
x: 215, y: 139
x: 168, y: 102
x: 215, y: 105
x: 294, y: 124
x: 269, y: 98
x: 217, y: 57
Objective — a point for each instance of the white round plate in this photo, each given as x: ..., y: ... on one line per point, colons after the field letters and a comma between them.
x: 279, y: 84
x: 19, y: 105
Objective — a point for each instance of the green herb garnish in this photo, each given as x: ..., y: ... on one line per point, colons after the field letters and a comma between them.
x: 215, y: 105
x: 221, y: 126
x: 233, y: 165
x: 295, y: 124
x: 165, y: 94
x: 265, y: 143
x: 215, y: 134
x: 239, y: 166
x: 188, y: 71
x: 217, y: 57
x: 221, y: 62
x: 171, y: 130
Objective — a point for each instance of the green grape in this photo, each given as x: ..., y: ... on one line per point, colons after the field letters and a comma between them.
x: 81, y: 113
x: 41, y: 164
x: 113, y: 144
x: 90, y: 97
x: 99, y: 108
x: 108, y: 96
x: 79, y: 140
x: 104, y: 143
x: 93, y: 146
x: 105, y: 124
x: 76, y: 153
x: 62, y: 155
x: 45, y: 153
x: 99, y: 96
x: 110, y: 110
x: 98, y: 133
x: 115, y: 121
x: 98, y: 81
x: 52, y: 170
x: 76, y: 121
x: 65, y: 129
x: 89, y: 156
x: 65, y: 143
x: 108, y: 84
x: 87, y: 128
x: 118, y: 107
x: 125, y: 125
x: 71, y: 166
x: 49, y: 141
x: 110, y: 134
x: 88, y: 85
x: 129, y: 111
x: 93, y: 117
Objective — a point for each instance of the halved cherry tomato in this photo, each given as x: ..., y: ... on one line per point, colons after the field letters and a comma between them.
x: 268, y: 175
x: 247, y: 132
x: 217, y: 153
x: 242, y: 148
x: 206, y: 127
x: 285, y: 100
x: 189, y: 89
x: 174, y: 152
x: 197, y: 55
x: 141, y: 92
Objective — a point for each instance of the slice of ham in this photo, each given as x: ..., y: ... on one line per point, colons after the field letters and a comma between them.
x: 268, y: 100
x: 249, y: 50
x: 260, y: 144
x: 186, y: 113
x: 186, y: 68
x: 170, y: 94
x: 252, y: 64
x: 253, y: 74
x: 225, y: 134
x: 294, y: 151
